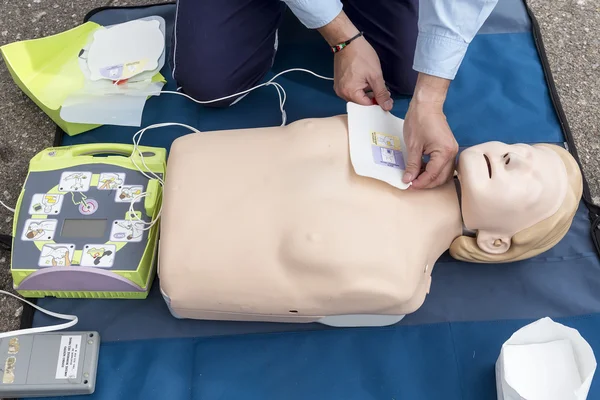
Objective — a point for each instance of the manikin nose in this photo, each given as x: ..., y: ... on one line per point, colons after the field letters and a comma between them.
x: 514, y: 161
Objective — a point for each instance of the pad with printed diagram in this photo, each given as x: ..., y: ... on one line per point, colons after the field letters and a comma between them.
x: 376, y: 140
x: 387, y: 150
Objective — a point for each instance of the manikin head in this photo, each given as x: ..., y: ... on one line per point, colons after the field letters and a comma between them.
x: 520, y: 199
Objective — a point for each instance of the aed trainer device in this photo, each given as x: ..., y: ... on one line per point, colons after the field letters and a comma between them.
x: 49, y: 364
x: 73, y: 233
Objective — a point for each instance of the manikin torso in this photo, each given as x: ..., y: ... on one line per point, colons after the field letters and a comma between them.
x: 275, y: 222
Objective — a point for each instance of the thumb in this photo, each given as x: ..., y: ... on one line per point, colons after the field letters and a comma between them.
x: 361, y: 97
x: 413, y: 164
x: 381, y: 93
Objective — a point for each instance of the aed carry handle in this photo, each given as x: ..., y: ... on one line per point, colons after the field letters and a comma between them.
x: 154, y: 157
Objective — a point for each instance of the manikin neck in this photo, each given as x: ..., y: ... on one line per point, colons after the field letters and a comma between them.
x: 465, y: 230
x: 447, y: 212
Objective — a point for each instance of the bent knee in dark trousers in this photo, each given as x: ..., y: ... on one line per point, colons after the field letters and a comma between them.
x: 225, y: 47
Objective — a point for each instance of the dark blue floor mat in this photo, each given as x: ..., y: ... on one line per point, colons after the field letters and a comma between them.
x: 445, y: 350
x: 449, y: 361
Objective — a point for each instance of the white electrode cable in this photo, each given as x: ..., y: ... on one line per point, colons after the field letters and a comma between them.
x: 12, y: 210
x: 281, y: 93
x: 42, y: 329
x: 137, y: 137
x: 270, y: 82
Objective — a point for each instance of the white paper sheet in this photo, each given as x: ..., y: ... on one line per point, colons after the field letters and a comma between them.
x: 377, y: 148
x: 101, y: 101
x: 545, y: 371
x: 108, y: 109
x: 125, y: 50
x: 545, y: 361
x: 143, y: 76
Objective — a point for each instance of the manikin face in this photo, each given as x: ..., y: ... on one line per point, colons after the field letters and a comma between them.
x: 508, y: 188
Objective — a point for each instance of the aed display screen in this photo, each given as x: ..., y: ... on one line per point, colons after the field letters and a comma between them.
x: 84, y: 228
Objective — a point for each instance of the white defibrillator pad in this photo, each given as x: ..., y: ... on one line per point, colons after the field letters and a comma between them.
x: 377, y: 148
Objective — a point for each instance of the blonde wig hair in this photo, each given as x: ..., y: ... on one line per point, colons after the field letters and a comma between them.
x: 535, y: 239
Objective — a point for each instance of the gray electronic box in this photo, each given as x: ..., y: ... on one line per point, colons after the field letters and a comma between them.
x: 49, y: 364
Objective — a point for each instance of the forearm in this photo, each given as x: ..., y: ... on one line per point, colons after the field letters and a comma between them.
x: 430, y: 91
x: 338, y: 30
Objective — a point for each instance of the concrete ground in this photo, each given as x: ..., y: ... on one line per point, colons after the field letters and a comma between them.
x: 570, y: 29
x: 571, y: 33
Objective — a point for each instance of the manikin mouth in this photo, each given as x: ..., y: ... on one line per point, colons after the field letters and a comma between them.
x: 489, y: 166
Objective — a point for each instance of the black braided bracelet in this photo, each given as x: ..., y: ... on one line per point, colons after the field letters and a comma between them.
x: 340, y: 46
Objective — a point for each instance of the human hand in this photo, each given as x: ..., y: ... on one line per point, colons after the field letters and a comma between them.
x: 357, y: 71
x: 426, y: 131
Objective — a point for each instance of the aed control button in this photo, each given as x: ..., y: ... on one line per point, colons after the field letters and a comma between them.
x: 88, y: 207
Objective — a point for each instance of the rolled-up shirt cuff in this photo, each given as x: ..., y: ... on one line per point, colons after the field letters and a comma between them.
x: 438, y: 55
x: 315, y: 14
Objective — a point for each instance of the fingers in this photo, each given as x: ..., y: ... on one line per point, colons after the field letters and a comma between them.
x: 445, y: 175
x: 437, y: 171
x: 368, y: 92
x: 432, y: 172
x: 367, y: 98
x: 359, y: 96
x: 381, y: 93
x: 352, y: 93
x: 413, y: 164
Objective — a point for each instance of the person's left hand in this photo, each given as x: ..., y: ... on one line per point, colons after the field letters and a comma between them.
x: 357, y: 73
x: 357, y: 69
x: 426, y: 131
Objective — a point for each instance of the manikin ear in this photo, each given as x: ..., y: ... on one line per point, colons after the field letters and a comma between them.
x: 493, y: 243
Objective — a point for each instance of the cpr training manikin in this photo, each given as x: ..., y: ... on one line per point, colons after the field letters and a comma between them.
x: 273, y: 224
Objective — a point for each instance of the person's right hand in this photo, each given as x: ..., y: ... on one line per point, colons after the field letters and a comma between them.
x: 357, y: 71
x: 426, y: 132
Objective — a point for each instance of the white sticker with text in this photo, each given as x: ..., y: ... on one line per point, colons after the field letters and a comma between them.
x: 68, y: 357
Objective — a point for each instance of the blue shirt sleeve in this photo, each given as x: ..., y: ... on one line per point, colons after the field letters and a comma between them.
x: 315, y: 14
x: 446, y: 28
